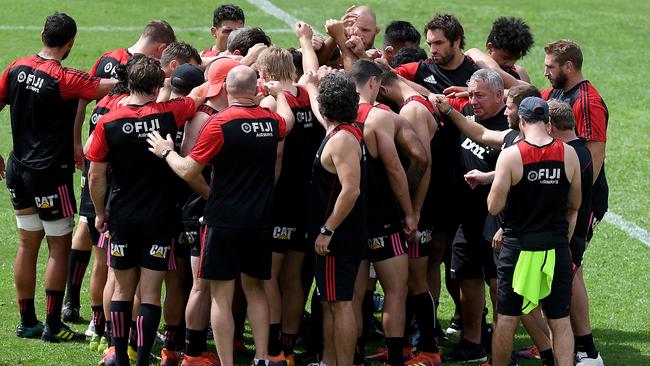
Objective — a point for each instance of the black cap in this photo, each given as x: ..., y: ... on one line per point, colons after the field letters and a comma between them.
x: 534, y: 109
x: 187, y: 77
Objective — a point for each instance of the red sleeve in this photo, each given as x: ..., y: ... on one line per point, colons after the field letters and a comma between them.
x: 458, y: 103
x: 78, y: 84
x: 209, y: 142
x: 282, y: 125
x: 546, y: 93
x: 408, y: 71
x: 183, y: 109
x: 98, y: 149
x: 591, y: 117
x: 4, y: 85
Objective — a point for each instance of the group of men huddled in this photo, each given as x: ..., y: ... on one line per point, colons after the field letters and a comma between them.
x: 335, y: 160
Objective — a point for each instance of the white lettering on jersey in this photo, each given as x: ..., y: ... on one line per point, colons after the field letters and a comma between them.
x: 544, y: 175
x: 475, y: 148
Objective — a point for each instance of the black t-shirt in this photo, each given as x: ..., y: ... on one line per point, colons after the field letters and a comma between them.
x: 43, y: 96
x: 587, y: 177
x: 428, y: 74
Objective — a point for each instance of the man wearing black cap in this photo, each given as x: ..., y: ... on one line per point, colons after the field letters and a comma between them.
x: 540, y: 178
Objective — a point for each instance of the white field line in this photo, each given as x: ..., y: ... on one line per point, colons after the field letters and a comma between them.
x: 110, y: 28
x: 270, y: 8
x: 629, y: 228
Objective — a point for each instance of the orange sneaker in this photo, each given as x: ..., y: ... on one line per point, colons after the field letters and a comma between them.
x: 425, y: 359
x: 214, y: 359
x: 278, y: 360
x: 198, y: 361
x: 168, y: 358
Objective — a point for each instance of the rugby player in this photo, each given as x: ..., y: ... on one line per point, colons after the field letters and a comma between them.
x: 226, y: 18
x: 397, y: 35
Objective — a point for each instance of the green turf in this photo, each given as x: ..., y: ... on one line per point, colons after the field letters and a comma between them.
x: 612, y: 35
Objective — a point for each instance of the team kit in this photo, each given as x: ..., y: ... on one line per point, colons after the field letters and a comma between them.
x: 305, y: 189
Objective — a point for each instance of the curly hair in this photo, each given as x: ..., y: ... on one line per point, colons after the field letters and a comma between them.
x: 227, y: 12
x: 512, y: 35
x: 338, y: 100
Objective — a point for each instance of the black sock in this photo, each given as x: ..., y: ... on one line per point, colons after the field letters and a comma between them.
x: 425, y: 313
x: 108, y: 331
x: 360, y: 351
x: 316, y: 334
x: 288, y: 343
x: 133, y: 335
x: 172, y: 333
x: 195, y: 342
x: 367, y: 312
x: 120, y: 318
x: 394, y: 346
x: 586, y: 344
x: 27, y: 312
x: 53, y: 305
x: 77, y: 264
x: 98, y: 319
x: 408, y: 324
x: 547, y: 357
x: 147, y: 324
x: 275, y: 347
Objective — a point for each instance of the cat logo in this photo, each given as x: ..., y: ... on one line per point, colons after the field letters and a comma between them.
x: 12, y: 192
x: 45, y: 202
x: 159, y: 251
x: 376, y: 243
x: 117, y: 250
x: 424, y: 236
x: 283, y: 233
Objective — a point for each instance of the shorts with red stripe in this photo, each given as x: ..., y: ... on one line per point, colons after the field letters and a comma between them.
x: 594, y: 219
x: 422, y: 245
x: 228, y: 251
x: 386, y: 243
x: 50, y: 191
x: 140, y: 245
x: 335, y: 277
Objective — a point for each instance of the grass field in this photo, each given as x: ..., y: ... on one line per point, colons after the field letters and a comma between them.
x: 612, y: 36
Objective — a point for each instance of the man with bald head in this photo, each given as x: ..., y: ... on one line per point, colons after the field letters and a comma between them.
x: 240, y: 143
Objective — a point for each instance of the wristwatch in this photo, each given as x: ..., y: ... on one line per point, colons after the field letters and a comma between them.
x: 164, y: 153
x: 325, y: 231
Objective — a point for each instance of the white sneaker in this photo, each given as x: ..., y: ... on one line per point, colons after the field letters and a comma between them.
x: 583, y: 360
x: 91, y: 329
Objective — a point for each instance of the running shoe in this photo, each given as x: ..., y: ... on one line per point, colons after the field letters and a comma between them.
x: 198, y: 361
x: 91, y: 329
x: 168, y: 357
x: 63, y: 334
x: 528, y: 353
x: 29, y: 332
x: 103, y: 345
x: 278, y: 360
x: 94, y: 342
x: 455, y: 326
x: 582, y: 359
x: 425, y: 359
x: 466, y: 351
x: 70, y: 313
x: 109, y: 358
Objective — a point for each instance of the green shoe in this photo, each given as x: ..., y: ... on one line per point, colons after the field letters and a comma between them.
x: 64, y: 334
x: 103, y: 345
x: 29, y: 332
x: 94, y: 342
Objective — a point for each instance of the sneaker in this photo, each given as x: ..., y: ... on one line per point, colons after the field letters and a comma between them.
x: 133, y: 356
x: 381, y: 355
x: 103, y: 345
x: 94, y: 342
x: 466, y: 351
x: 278, y: 360
x: 64, y: 334
x: 528, y: 353
x: 168, y: 358
x: 212, y: 358
x: 109, y: 358
x: 29, y: 332
x: 291, y: 360
x: 582, y: 359
x: 198, y: 361
x: 91, y: 329
x: 425, y: 359
x: 455, y: 326
x: 70, y: 313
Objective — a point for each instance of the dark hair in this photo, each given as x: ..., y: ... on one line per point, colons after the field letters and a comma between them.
x: 362, y: 70
x: 521, y: 92
x: 511, y: 35
x: 159, y: 31
x: 122, y: 76
x: 388, y: 78
x: 565, y: 50
x: 296, y: 54
x: 450, y: 27
x: 59, y: 29
x: 407, y: 55
x: 561, y: 115
x: 338, y: 99
x: 227, y: 12
x: 244, y: 39
x: 145, y: 75
x: 182, y: 52
x: 400, y: 31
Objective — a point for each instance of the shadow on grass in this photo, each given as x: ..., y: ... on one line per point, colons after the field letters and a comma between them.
x: 619, y: 347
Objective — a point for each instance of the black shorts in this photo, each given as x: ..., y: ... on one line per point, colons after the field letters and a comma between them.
x: 471, y: 256
x: 183, y: 247
x: 555, y: 305
x: 227, y: 251
x: 422, y: 245
x: 50, y: 191
x: 288, y: 238
x: 386, y: 243
x: 335, y: 277
x: 142, y: 245
x: 92, y: 231
x: 594, y: 219
x: 86, y: 207
x: 577, y: 248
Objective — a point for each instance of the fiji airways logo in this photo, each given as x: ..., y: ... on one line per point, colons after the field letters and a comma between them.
x: 260, y: 129
x: 306, y: 118
x: 544, y: 176
x: 45, y: 201
x: 142, y: 128
x: 31, y: 81
x: 94, y: 118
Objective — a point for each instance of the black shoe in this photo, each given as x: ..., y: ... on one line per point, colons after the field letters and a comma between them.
x: 465, y: 351
x: 70, y: 313
x: 455, y: 326
x: 63, y: 334
x: 440, y: 335
x: 34, y: 331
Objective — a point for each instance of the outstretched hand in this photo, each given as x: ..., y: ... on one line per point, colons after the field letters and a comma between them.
x: 158, y: 144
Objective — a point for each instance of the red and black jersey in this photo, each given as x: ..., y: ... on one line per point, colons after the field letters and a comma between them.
x: 350, y: 238
x: 43, y: 96
x: 428, y: 74
x: 102, y: 107
x: 591, y: 114
x: 104, y: 67
x: 142, y: 184
x: 291, y: 201
x: 535, y: 216
x: 362, y: 113
x: 241, y: 144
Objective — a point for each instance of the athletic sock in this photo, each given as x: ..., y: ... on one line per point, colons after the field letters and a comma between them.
x: 77, y: 264
x: 172, y: 333
x: 27, y: 312
x: 120, y: 317
x: 395, y: 346
x: 586, y: 344
x: 425, y: 313
x: 275, y: 347
x: 147, y: 323
x: 98, y: 319
x: 547, y: 357
x: 133, y: 335
x: 108, y: 332
x: 195, y: 342
x: 316, y: 334
x: 360, y: 351
x: 53, y: 305
x: 288, y: 343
